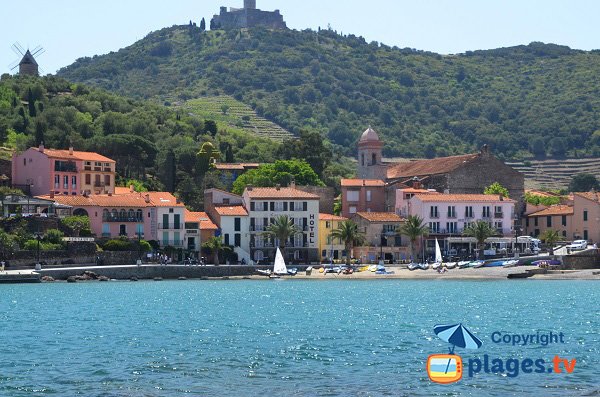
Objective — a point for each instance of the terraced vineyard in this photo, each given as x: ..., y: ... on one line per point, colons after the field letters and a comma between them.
x: 555, y: 174
x: 229, y: 111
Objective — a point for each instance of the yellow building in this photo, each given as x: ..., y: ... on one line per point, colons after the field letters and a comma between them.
x: 329, y: 247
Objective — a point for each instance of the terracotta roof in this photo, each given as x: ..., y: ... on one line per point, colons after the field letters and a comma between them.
x: 555, y: 210
x: 131, y: 201
x: 83, y: 156
x: 231, y: 210
x: 463, y: 197
x: 435, y: 166
x: 592, y: 196
x: 418, y: 191
x: 236, y: 166
x: 362, y: 182
x: 258, y: 193
x: 162, y: 199
x: 122, y: 190
x: 329, y: 217
x: 202, y: 218
x: 380, y: 216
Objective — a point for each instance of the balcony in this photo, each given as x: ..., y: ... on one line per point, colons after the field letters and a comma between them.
x: 498, y: 215
x: 124, y: 219
x: 99, y: 184
x: 65, y: 167
x: 171, y: 243
x: 257, y: 228
x: 170, y: 226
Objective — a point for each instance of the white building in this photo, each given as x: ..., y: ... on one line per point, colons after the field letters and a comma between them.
x: 235, y: 229
x: 264, y: 204
x: 169, y: 219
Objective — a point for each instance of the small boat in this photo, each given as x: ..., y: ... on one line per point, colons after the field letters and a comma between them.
x: 438, y: 256
x: 381, y: 270
x: 263, y: 272
x: 413, y: 266
x: 436, y: 265
x: 546, y: 263
x: 463, y: 264
x: 363, y: 269
x: 348, y: 270
x: 511, y: 263
x: 477, y: 264
x: 520, y: 275
x: 293, y: 271
x: 373, y: 268
x: 423, y: 266
x: 279, y: 268
x: 494, y: 264
x: 451, y: 265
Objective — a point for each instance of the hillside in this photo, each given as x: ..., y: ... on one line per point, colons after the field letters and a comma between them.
x: 539, y: 99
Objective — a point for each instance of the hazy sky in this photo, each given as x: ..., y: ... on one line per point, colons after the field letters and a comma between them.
x: 69, y: 29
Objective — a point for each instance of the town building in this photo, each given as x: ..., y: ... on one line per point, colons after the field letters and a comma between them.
x: 586, y: 216
x: 234, y: 226
x: 247, y: 17
x: 382, y: 242
x: 264, y: 204
x: 362, y: 195
x: 556, y: 217
x: 198, y: 229
x: 330, y: 247
x: 63, y: 172
x: 229, y: 172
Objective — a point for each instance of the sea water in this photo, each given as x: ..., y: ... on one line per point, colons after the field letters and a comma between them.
x: 287, y: 338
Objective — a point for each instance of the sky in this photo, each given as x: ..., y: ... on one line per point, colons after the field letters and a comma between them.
x: 70, y: 29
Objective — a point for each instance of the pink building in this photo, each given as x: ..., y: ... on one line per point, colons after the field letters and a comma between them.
x: 64, y: 172
x: 586, y: 216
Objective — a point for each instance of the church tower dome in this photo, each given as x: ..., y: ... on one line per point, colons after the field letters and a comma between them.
x: 370, y: 152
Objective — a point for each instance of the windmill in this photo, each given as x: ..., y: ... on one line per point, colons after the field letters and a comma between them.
x: 27, y: 65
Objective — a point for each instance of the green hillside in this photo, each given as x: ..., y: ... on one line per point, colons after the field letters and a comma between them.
x: 539, y: 99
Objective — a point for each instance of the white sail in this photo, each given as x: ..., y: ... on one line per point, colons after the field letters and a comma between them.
x: 279, y: 267
x: 438, y: 252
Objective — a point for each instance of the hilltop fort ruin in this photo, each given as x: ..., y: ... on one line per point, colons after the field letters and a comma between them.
x: 247, y: 17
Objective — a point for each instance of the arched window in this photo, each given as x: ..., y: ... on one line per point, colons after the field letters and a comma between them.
x: 362, y: 159
x: 114, y: 214
x: 122, y: 214
x: 131, y: 214
x: 105, y: 214
x: 373, y: 159
x: 139, y: 215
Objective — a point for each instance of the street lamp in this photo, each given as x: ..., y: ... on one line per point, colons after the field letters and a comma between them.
x: 38, y: 237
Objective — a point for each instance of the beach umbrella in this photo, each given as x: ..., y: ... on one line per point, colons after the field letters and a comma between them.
x: 457, y: 335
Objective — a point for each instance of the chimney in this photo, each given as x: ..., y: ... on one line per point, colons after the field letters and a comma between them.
x: 147, y: 198
x: 131, y: 189
x: 501, y: 198
x: 41, y: 148
x: 109, y: 194
x: 485, y: 150
x: 51, y: 194
x: 278, y: 186
x: 249, y: 188
x: 293, y: 183
x: 71, y: 150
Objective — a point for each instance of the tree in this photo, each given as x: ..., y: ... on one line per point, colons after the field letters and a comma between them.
x: 413, y: 228
x: 348, y: 233
x: 282, y: 172
x: 497, y: 189
x: 210, y: 126
x: 481, y: 231
x: 550, y: 237
x: 202, y: 25
x: 214, y: 246
x: 583, y: 183
x: 282, y: 228
x: 138, y: 186
x: 8, y: 245
x: 31, y: 102
x: 77, y: 224
x: 309, y: 147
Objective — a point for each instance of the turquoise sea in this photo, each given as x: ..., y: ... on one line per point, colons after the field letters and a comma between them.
x: 287, y: 338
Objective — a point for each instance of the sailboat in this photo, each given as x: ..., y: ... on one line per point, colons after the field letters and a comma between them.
x: 279, y: 269
x: 438, y: 256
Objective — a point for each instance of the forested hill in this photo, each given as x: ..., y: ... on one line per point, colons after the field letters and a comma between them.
x: 535, y: 99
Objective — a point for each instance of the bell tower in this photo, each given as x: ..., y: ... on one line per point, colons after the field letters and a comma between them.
x: 250, y: 4
x: 370, y: 161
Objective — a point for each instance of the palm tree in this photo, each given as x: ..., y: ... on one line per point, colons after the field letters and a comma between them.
x: 481, y: 231
x: 282, y: 228
x: 215, y: 246
x: 550, y: 237
x: 413, y: 228
x: 348, y: 233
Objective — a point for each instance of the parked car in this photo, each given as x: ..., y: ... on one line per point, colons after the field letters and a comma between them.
x: 578, y: 245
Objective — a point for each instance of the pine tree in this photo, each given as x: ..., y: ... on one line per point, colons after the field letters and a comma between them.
x: 31, y: 100
x: 203, y: 25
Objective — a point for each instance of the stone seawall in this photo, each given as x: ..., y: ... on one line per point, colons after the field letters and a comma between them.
x: 152, y: 272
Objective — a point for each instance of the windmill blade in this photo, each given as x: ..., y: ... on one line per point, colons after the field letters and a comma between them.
x: 13, y: 64
x: 17, y: 49
x: 39, y: 51
x: 41, y: 70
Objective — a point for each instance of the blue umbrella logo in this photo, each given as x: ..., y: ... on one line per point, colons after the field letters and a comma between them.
x: 457, y: 335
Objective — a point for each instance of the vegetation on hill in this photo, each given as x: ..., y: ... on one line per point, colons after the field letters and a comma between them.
x: 539, y: 99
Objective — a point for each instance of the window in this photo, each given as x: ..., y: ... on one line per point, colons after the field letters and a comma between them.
x: 327, y: 224
x: 535, y: 221
x: 304, y: 206
x: 585, y: 235
x: 585, y: 216
x: 285, y: 206
x: 352, y: 195
x: 486, y: 212
x: 252, y: 206
x: 25, y: 162
x: 564, y: 220
x: 498, y: 226
x: 139, y: 229
x: 177, y: 221
x: 527, y: 222
x: 73, y: 182
x: 106, y: 230
x: 373, y: 159
x: 564, y: 233
x: 139, y: 215
x: 368, y: 195
x: 352, y: 210
x: 272, y: 206
x: 434, y: 227
x: 226, y: 238
x: 176, y: 239
x: 469, y: 212
x: 451, y: 211
x: 237, y: 224
x: 56, y: 181
x: 433, y: 212
x: 88, y: 179
x: 165, y: 224
x: 548, y: 221
x: 107, y: 180
x: 292, y: 206
x: 362, y: 159
x: 452, y: 227
x: 265, y: 206
x: 237, y: 239
x: 65, y: 182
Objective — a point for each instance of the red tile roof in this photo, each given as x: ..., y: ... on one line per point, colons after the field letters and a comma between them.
x: 231, y: 210
x: 555, y: 210
x: 236, y: 166
x: 202, y: 218
x: 462, y: 197
x: 163, y: 199
x: 329, y: 217
x: 362, y: 182
x: 592, y: 196
x: 435, y: 166
x: 380, y: 216
x: 258, y: 193
x: 131, y: 201
x: 83, y: 156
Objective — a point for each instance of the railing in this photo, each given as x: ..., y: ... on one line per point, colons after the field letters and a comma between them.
x: 122, y: 219
x: 65, y: 167
x: 170, y: 226
x: 99, y: 184
x: 498, y: 215
x: 257, y: 228
x: 171, y: 243
x: 107, y: 169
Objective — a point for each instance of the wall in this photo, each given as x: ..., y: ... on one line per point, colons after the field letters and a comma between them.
x: 36, y: 171
x: 376, y: 204
x: 589, y: 259
x: 326, y: 196
x: 565, y: 232
x: 228, y: 227
x: 592, y: 225
x: 324, y: 232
